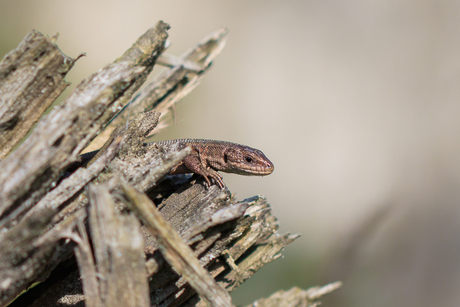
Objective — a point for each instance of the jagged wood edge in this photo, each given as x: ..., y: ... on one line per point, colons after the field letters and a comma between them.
x: 36, y: 165
x: 297, y: 297
x: 170, y: 86
x: 138, y: 166
x: 116, y: 276
x: 176, y: 252
x: 61, y: 135
x: 31, y: 78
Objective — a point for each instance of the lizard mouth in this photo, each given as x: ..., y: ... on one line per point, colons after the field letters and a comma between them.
x: 258, y: 170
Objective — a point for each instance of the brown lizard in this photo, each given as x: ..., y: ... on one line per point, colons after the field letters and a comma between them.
x: 210, y: 156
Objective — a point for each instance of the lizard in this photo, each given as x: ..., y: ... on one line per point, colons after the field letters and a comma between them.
x: 210, y: 156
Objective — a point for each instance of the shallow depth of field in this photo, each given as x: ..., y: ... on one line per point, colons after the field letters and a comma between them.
x: 355, y: 102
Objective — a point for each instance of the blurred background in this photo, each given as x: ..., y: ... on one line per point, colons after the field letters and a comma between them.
x: 355, y: 102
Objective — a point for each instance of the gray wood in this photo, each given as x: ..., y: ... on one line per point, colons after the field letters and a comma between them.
x: 61, y: 135
x: 43, y: 217
x: 296, y: 297
x: 31, y: 78
x: 117, y: 276
x: 171, y: 85
x: 177, y: 253
x: 37, y: 164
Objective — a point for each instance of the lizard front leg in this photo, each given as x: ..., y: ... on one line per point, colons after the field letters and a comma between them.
x: 194, y: 164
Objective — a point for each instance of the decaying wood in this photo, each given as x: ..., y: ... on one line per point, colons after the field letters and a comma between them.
x: 213, y: 225
x: 176, y: 252
x: 119, y: 279
x: 35, y: 167
x: 169, y: 87
x: 43, y: 215
x: 62, y: 134
x: 68, y: 188
x: 141, y: 167
x: 31, y: 78
x: 297, y: 297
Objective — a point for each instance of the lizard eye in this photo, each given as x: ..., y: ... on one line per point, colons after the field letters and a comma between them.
x: 248, y: 159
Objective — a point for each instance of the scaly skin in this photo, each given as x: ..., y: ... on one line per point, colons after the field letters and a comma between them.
x: 210, y: 156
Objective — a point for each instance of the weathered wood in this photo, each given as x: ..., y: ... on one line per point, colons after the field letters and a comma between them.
x: 256, y: 232
x: 171, y: 85
x: 67, y: 189
x: 61, y: 135
x: 31, y: 78
x: 296, y: 297
x: 141, y: 166
x: 28, y: 253
x: 209, y: 221
x: 38, y: 209
x: 117, y: 276
x: 179, y: 255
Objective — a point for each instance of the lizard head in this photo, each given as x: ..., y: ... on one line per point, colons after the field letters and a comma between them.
x: 245, y: 160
